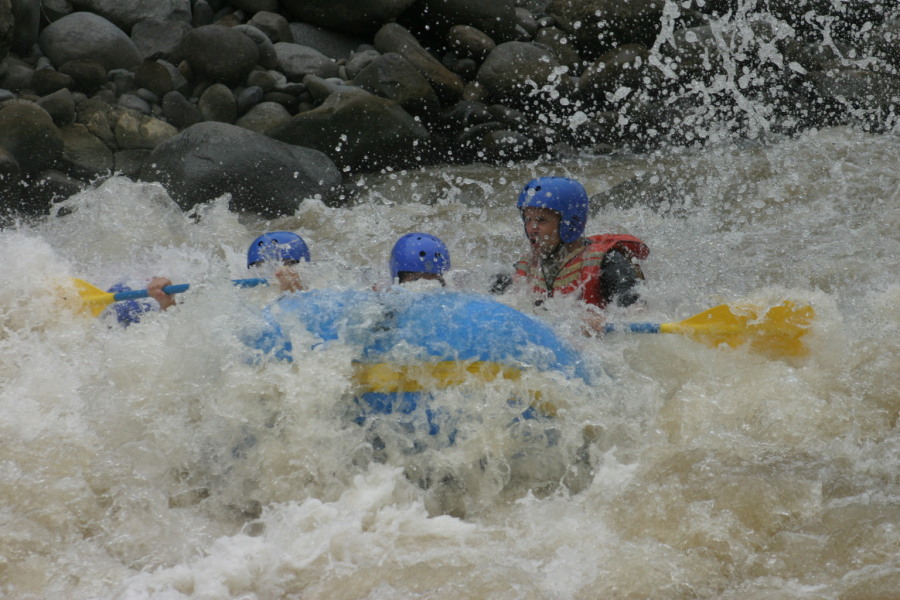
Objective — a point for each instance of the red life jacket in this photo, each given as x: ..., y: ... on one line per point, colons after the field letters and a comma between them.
x: 581, y: 271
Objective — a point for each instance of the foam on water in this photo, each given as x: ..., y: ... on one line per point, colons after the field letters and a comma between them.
x: 157, y: 461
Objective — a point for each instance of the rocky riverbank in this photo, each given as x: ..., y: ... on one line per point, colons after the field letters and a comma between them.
x: 278, y: 101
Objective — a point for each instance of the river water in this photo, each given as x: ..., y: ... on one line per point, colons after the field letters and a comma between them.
x: 157, y: 462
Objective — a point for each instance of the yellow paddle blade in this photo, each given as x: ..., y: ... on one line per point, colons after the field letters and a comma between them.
x: 93, y: 299
x: 777, y: 332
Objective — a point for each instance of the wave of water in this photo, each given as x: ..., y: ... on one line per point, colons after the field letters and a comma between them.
x: 155, y: 462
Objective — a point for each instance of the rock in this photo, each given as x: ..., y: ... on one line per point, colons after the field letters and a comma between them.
x: 264, y: 117
x: 503, y: 145
x: 84, y: 153
x: 87, y: 75
x: 125, y: 14
x: 141, y: 131
x: 347, y: 15
x: 359, y: 131
x: 217, y: 103
x: 129, y: 162
x: 85, y: 36
x: 296, y: 61
x: 394, y: 38
x: 523, y: 75
x: 248, y: 98
x: 262, y: 175
x: 333, y: 44
x: 561, y: 44
x: 268, y: 59
x: 99, y: 118
x: 319, y: 89
x: 179, y: 111
x: 154, y: 77
x: 391, y: 76
x: 28, y: 134
x: 26, y: 16
x: 47, y: 81
x: 598, y: 26
x: 275, y: 26
x: 60, y: 105
x: 135, y: 103
x: 496, y: 18
x: 360, y: 60
x: 219, y: 54
x: 155, y: 38
x: 468, y: 42
x: 18, y: 77
x: 618, y: 74
x: 256, y: 6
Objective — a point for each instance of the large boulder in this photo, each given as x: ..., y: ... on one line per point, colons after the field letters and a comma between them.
x: 263, y: 176
x: 598, y: 26
x: 125, y: 14
x: 296, y: 61
x: 391, y: 76
x: 395, y: 38
x: 496, y: 18
x: 359, y: 131
x: 219, y: 54
x: 86, y: 36
x: 347, y: 15
x: 28, y: 134
x: 523, y: 75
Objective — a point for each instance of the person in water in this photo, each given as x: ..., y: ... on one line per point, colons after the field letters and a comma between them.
x: 419, y: 256
x: 284, y: 247
x: 130, y: 311
x: 599, y: 270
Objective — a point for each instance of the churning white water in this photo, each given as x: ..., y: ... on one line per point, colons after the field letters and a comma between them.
x: 157, y: 462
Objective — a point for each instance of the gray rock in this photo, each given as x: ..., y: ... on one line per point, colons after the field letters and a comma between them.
x: 526, y: 21
x: 219, y: 54
x: 347, y: 15
x: 47, y: 81
x: 620, y: 73
x: 468, y: 42
x: 598, y: 26
x: 19, y: 75
x: 262, y: 175
x: 87, y: 75
x: 217, y: 103
x: 394, y: 38
x: 84, y: 153
x: 274, y: 25
x: 256, y: 6
x: 268, y: 59
x: 154, y: 77
x: 391, y: 76
x: 359, y: 131
x: 28, y: 134
x: 266, y: 80
x: 85, y: 36
x: 135, y: 103
x: 264, y: 117
x: 496, y: 18
x: 503, y: 145
x: 134, y: 130
x: 60, y: 105
x: 26, y: 15
x: 248, y: 98
x: 99, y: 118
x: 7, y: 27
x: 55, y: 10
x: 202, y: 14
x: 360, y: 60
x: 179, y: 111
x: 155, y: 38
x: 523, y: 75
x: 334, y: 44
x: 319, y: 89
x: 125, y: 14
x: 129, y: 162
x: 562, y: 46
x: 296, y: 61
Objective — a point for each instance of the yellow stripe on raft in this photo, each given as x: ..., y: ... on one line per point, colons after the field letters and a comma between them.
x: 389, y: 378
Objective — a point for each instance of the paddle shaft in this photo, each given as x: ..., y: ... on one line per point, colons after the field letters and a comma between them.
x: 632, y: 328
x: 181, y: 287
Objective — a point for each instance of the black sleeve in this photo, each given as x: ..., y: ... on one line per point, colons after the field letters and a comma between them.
x: 618, y: 279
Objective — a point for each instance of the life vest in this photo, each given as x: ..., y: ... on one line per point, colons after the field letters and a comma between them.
x: 581, y: 270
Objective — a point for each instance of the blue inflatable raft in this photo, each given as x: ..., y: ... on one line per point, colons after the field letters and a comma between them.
x: 410, y: 344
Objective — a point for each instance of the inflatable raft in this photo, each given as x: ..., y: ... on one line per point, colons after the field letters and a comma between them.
x: 408, y: 344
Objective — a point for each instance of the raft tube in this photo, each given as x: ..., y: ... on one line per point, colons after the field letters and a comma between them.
x: 410, y: 344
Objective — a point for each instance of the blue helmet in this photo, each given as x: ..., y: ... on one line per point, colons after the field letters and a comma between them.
x: 277, y: 246
x: 563, y: 195
x: 419, y: 253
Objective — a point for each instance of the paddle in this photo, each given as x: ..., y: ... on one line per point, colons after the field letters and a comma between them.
x: 95, y: 300
x: 775, y: 332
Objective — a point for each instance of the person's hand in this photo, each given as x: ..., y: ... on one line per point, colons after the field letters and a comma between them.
x: 289, y: 280
x: 155, y: 291
x: 593, y: 325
